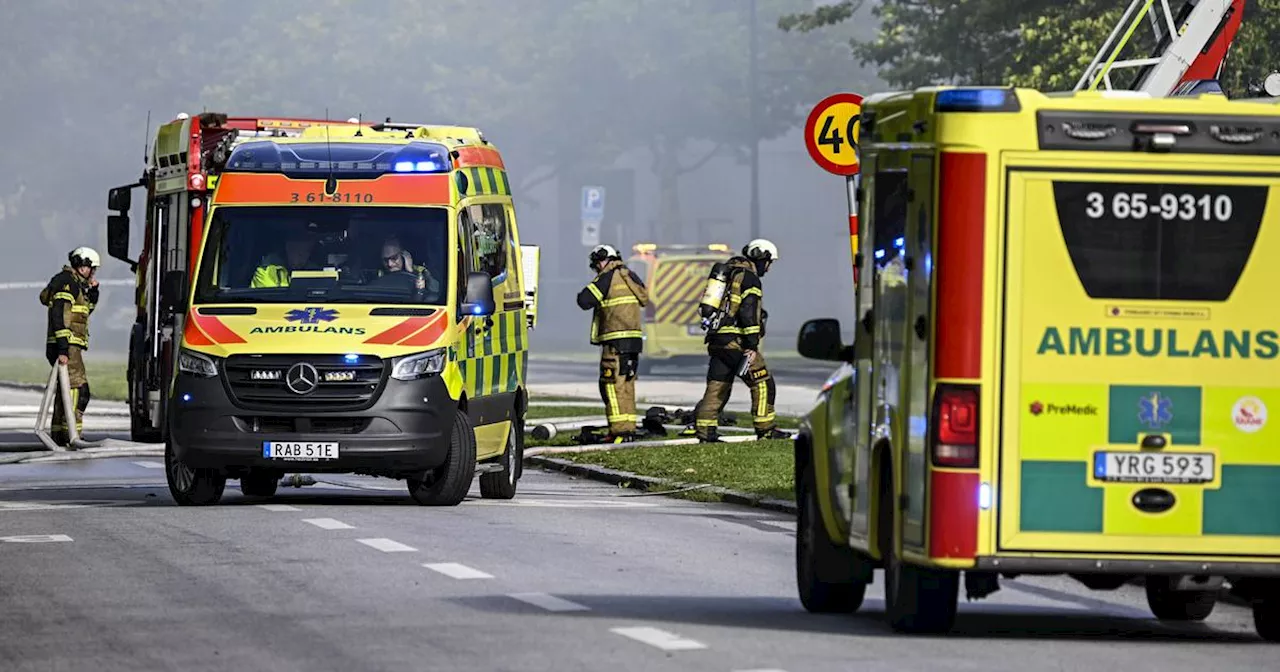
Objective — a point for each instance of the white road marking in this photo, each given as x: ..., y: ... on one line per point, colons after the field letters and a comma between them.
x: 549, y: 602
x: 327, y: 523
x: 35, y: 538
x: 278, y: 507
x: 454, y: 570
x: 659, y: 638
x: 387, y: 545
x: 150, y: 465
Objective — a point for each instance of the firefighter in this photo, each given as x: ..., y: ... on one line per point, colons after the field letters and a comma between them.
x: 615, y: 296
x: 71, y: 296
x: 734, y: 348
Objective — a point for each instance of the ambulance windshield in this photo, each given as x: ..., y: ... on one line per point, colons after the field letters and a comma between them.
x: 331, y: 253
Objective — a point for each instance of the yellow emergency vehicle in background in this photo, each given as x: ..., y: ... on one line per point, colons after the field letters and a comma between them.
x: 331, y: 297
x: 676, y: 276
x: 1067, y: 345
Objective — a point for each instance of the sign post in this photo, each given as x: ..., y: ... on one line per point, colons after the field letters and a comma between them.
x: 592, y: 215
x: 831, y: 136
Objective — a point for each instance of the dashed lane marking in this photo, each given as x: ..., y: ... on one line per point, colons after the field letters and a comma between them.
x: 328, y: 523
x: 661, y: 639
x: 150, y: 465
x: 387, y: 545
x: 549, y: 602
x: 454, y: 570
x: 278, y: 507
x: 35, y: 538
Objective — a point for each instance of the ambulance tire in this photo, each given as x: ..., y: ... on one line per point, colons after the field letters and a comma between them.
x: 825, y: 574
x: 189, y: 486
x: 448, y: 484
x: 918, y: 600
x: 1178, y: 605
x: 502, y: 484
x: 1266, y: 617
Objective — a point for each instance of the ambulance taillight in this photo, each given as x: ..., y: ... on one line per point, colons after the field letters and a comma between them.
x: 955, y: 426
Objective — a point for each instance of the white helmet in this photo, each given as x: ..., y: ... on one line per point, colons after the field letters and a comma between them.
x: 84, y: 256
x: 601, y: 252
x: 760, y: 250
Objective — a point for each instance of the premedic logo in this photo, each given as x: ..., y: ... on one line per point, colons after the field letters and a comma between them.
x: 1249, y: 414
x: 1038, y: 408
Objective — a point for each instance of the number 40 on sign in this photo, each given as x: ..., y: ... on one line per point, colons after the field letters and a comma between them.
x: 831, y: 133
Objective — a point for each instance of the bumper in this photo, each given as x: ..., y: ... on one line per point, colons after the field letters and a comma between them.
x: 405, y: 430
x: 1264, y: 568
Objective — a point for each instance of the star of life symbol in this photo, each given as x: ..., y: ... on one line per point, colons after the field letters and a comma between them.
x: 312, y: 315
x: 1155, y: 410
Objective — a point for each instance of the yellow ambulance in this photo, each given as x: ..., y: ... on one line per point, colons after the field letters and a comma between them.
x: 1067, y: 345
x: 676, y: 276
x: 356, y: 300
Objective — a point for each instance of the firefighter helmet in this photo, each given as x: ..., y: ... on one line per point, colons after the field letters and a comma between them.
x: 84, y: 256
x: 760, y: 250
x: 602, y: 252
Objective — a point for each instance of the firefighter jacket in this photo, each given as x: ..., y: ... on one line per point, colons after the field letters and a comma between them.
x: 744, y: 309
x: 70, y: 300
x: 615, y: 296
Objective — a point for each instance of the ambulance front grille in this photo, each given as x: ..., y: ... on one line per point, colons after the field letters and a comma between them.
x: 259, y: 382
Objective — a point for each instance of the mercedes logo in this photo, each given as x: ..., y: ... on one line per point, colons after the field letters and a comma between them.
x: 302, y: 378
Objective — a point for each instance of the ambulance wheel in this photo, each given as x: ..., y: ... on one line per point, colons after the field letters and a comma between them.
x: 1178, y: 605
x: 448, y: 484
x: 1266, y: 617
x: 190, y: 486
x: 825, y: 572
x: 502, y: 484
x: 259, y: 483
x: 917, y: 599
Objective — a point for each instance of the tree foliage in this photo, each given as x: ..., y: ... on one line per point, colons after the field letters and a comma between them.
x: 1045, y: 44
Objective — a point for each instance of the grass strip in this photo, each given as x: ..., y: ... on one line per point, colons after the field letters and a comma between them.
x: 107, y: 377
x: 764, y: 468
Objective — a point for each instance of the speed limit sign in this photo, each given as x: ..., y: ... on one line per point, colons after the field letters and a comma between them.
x: 831, y: 133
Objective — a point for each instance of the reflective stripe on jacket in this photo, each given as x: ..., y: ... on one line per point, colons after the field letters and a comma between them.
x: 71, y: 301
x: 616, y: 296
x: 744, y: 321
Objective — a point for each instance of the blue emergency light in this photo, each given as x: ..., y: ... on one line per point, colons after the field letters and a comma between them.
x: 977, y: 100
x: 345, y: 160
x: 352, y: 359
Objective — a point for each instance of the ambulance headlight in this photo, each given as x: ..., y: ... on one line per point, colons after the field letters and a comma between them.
x: 418, y: 366
x: 196, y: 364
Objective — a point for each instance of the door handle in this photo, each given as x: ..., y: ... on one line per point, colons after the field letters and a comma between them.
x: 921, y: 325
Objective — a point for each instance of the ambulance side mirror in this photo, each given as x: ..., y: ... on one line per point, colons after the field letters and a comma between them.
x: 479, y: 300
x: 820, y: 339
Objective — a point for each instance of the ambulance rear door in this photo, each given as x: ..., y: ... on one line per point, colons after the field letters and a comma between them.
x: 1139, y: 354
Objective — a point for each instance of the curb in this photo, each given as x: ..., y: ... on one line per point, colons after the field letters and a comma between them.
x: 655, y: 485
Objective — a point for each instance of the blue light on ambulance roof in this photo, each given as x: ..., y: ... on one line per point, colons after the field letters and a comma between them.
x: 977, y: 100
x: 418, y: 167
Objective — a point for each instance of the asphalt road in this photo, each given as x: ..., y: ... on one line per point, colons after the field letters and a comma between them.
x: 570, y: 575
